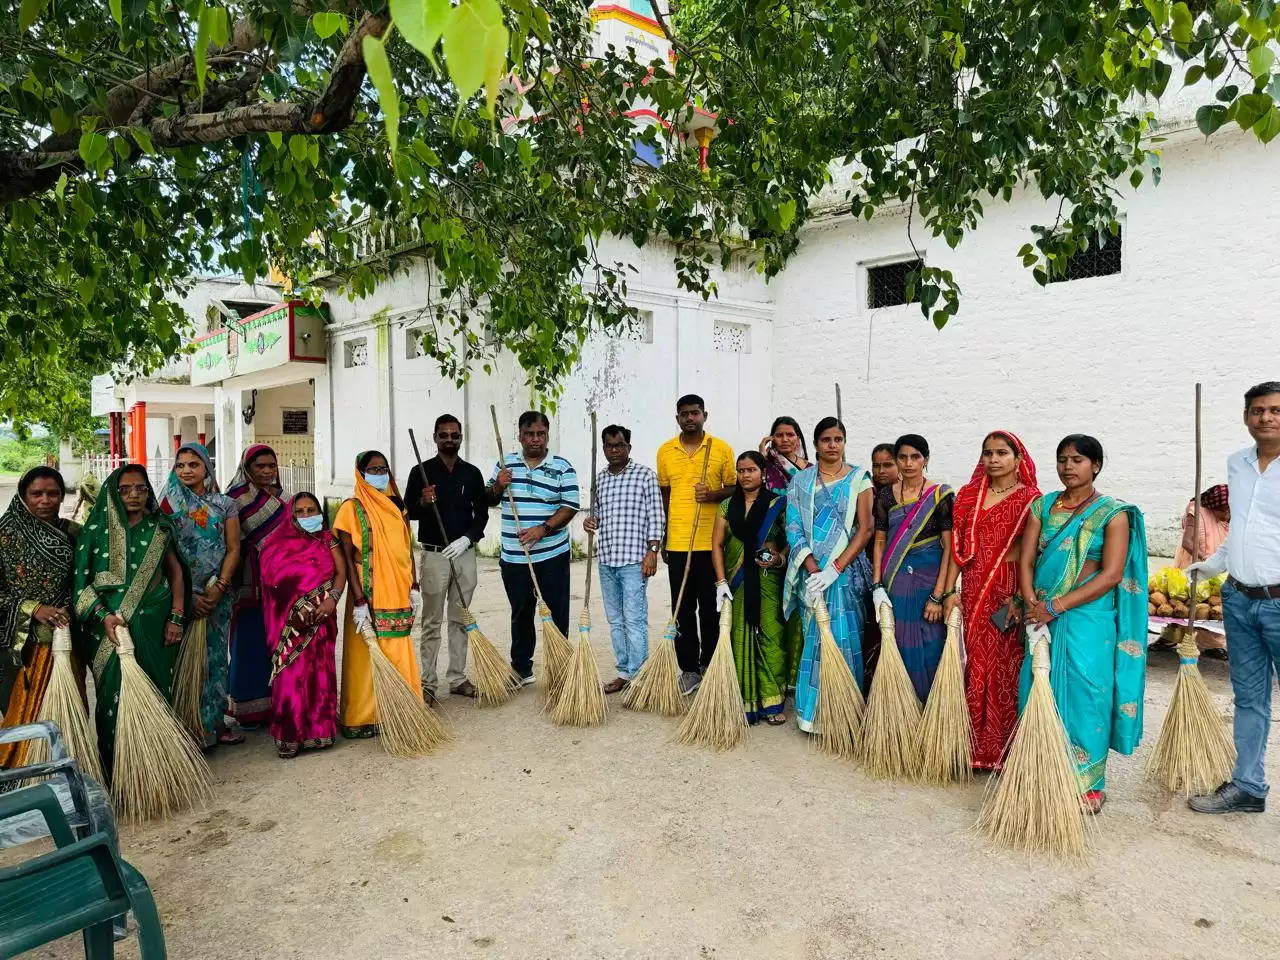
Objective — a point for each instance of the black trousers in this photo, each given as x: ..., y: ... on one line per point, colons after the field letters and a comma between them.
x: 699, y: 623
x: 553, y: 581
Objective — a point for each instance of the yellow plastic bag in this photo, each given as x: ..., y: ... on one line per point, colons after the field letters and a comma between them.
x: 1176, y: 583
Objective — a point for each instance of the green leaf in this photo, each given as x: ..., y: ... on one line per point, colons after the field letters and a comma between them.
x: 1268, y: 127
x: 475, y: 44
x: 29, y: 12
x: 204, y: 23
x: 143, y: 139
x: 525, y: 151
x: 1225, y: 13
x: 787, y: 213
x: 1194, y: 73
x: 298, y: 148
x: 1251, y: 108
x: 421, y: 22
x: 375, y: 61
x: 1160, y: 74
x: 1260, y: 61
x: 1181, y: 27
x: 117, y: 12
x: 92, y: 146
x: 276, y: 138
x: 1210, y: 117
x: 327, y: 23
x: 1135, y: 179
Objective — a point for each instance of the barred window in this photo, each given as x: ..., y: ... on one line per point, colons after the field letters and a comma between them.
x: 887, y: 283
x: 355, y: 352
x: 1097, y: 261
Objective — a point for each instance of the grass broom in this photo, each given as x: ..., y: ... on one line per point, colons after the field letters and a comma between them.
x: 64, y: 705
x: 889, y: 748
x: 189, y: 674
x: 494, y: 679
x: 1194, y: 753
x: 946, y: 746
x: 580, y: 702
x: 656, y: 685
x: 158, y: 769
x: 1035, y: 804
x: 839, y: 711
x: 556, y: 650
x: 718, y: 717
x: 406, y: 726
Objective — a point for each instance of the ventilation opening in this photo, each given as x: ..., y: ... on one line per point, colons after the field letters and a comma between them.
x: 355, y: 352
x: 887, y: 283
x: 1102, y: 259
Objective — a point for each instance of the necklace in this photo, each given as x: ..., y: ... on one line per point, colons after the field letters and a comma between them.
x: 1071, y: 506
x: 902, y: 487
x: 1001, y: 490
x: 831, y: 476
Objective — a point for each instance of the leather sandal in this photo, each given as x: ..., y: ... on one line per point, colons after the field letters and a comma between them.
x: 616, y: 684
x: 465, y: 689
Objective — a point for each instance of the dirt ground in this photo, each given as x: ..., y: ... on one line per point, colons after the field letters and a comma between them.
x: 525, y: 840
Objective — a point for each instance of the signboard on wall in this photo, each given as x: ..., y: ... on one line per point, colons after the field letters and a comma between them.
x: 102, y: 396
x: 295, y: 422
x: 277, y: 335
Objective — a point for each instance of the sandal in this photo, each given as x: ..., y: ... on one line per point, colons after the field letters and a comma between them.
x: 776, y: 719
x: 465, y: 689
x: 1093, y: 802
x: 230, y: 737
x: 320, y: 743
x: 287, y: 751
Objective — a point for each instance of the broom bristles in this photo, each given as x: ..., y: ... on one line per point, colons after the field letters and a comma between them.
x: 656, y: 685
x: 406, y: 725
x: 581, y: 699
x: 493, y: 676
x: 158, y: 769
x: 718, y: 716
x: 889, y: 748
x: 946, y: 747
x: 189, y: 676
x: 1035, y: 804
x: 556, y: 654
x: 839, y: 711
x: 64, y: 706
x: 1193, y: 754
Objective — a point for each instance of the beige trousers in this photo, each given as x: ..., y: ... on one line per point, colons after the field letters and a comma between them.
x: 433, y: 579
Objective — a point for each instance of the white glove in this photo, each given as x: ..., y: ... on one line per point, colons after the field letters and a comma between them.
x: 457, y: 548
x: 1204, y: 568
x: 361, y: 617
x: 723, y: 595
x: 1038, y: 632
x: 415, y: 600
x: 818, y: 583
x: 880, y: 598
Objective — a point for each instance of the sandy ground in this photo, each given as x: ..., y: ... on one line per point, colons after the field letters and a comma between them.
x: 525, y: 840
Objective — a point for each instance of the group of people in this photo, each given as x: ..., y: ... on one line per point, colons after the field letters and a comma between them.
x: 770, y: 530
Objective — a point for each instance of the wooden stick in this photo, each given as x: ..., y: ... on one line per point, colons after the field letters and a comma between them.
x: 838, y: 413
x: 591, y: 537
x: 444, y: 534
x: 1195, y: 526
x: 697, y: 513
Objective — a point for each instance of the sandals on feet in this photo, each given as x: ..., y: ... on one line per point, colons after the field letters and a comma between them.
x: 230, y: 737
x: 1093, y: 802
x: 776, y: 719
x: 287, y: 751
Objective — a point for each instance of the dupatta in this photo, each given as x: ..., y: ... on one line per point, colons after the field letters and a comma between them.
x: 751, y: 528
x: 831, y: 535
x: 917, y: 516
x: 297, y: 573
x: 198, y: 518
x: 36, y: 567
x: 261, y: 510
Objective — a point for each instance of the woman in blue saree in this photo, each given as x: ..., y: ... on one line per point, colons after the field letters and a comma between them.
x: 913, y: 558
x: 1084, y: 575
x: 828, y: 525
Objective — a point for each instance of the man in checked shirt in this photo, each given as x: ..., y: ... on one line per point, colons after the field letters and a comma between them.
x: 627, y: 517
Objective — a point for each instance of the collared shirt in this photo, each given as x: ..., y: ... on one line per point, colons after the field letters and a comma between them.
x: 538, y: 493
x: 628, y: 508
x: 679, y: 471
x: 1251, y: 552
x: 460, y: 495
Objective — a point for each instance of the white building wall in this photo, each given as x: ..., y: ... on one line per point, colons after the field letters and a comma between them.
x: 1112, y: 356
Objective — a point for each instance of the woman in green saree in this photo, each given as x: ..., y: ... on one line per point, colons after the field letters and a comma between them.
x: 1084, y: 576
x: 748, y: 552
x: 128, y: 573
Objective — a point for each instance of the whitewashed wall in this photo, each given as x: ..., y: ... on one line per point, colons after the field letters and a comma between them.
x: 1112, y: 356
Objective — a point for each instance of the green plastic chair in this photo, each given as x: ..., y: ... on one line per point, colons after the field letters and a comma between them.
x: 80, y: 886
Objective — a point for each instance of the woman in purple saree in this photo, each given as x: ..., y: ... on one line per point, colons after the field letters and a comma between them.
x: 302, y: 576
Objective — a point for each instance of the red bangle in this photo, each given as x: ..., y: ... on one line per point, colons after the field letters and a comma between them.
x: 836, y: 564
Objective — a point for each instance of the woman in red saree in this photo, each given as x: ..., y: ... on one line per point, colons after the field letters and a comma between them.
x: 303, y: 574
x: 990, y: 513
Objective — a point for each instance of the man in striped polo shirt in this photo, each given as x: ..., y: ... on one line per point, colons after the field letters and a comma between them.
x: 545, y: 488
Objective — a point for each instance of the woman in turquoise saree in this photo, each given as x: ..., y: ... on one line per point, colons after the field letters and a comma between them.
x: 1084, y: 575
x: 748, y: 552
x: 828, y: 525
x: 127, y: 572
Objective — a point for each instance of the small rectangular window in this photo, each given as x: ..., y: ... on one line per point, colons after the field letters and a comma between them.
x: 887, y: 283
x: 728, y: 337
x: 639, y: 330
x: 355, y: 352
x: 1102, y: 259
x: 413, y: 344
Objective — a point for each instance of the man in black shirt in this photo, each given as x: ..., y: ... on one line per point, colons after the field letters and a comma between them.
x: 457, y: 489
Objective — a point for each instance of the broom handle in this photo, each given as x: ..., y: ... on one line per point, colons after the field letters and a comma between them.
x: 453, y: 574
x: 697, y: 513
x: 1195, y: 524
x: 591, y: 537
x: 511, y: 498
x: 838, y: 413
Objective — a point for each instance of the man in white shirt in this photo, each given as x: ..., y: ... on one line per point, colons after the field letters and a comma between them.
x: 1250, y: 599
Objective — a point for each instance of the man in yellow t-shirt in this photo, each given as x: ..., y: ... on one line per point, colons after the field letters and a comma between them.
x: 684, y: 497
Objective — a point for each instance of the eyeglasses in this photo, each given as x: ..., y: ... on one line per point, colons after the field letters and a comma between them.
x: 130, y: 488
x: 448, y: 436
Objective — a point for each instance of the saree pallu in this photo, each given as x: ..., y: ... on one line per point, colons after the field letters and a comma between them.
x: 297, y: 574
x: 758, y: 652
x: 1098, y: 654
x: 821, y: 519
x: 911, y: 566
x: 380, y: 535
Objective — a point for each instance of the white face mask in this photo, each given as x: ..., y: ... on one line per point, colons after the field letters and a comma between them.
x: 311, y: 524
x: 379, y: 481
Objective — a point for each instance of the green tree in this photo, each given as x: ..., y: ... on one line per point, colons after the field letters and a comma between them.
x: 142, y: 141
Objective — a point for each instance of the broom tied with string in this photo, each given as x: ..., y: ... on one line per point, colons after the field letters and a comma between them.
x: 158, y: 769
x: 556, y: 650
x: 494, y: 679
x: 581, y: 700
x: 190, y: 673
x: 656, y: 685
x: 840, y: 709
x: 717, y: 718
x: 1194, y: 754
x: 64, y: 706
x: 1034, y: 804
x: 407, y: 727
x: 889, y: 747
x: 946, y: 746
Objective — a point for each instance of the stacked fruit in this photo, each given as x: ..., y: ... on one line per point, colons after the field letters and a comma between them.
x: 1169, y: 595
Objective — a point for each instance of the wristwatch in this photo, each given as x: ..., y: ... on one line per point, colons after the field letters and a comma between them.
x: 654, y: 548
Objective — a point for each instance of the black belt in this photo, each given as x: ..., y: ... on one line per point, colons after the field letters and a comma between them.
x: 431, y: 548
x: 1256, y: 593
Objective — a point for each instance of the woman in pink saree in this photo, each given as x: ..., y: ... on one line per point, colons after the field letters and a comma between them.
x: 303, y: 574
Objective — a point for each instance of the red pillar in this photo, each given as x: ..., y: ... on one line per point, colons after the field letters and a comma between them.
x: 177, y: 442
x: 140, y: 411
x: 112, y: 419
x: 200, y: 439
x: 131, y: 436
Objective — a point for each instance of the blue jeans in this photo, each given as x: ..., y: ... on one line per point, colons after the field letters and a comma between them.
x: 627, y: 609
x: 1253, y: 648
